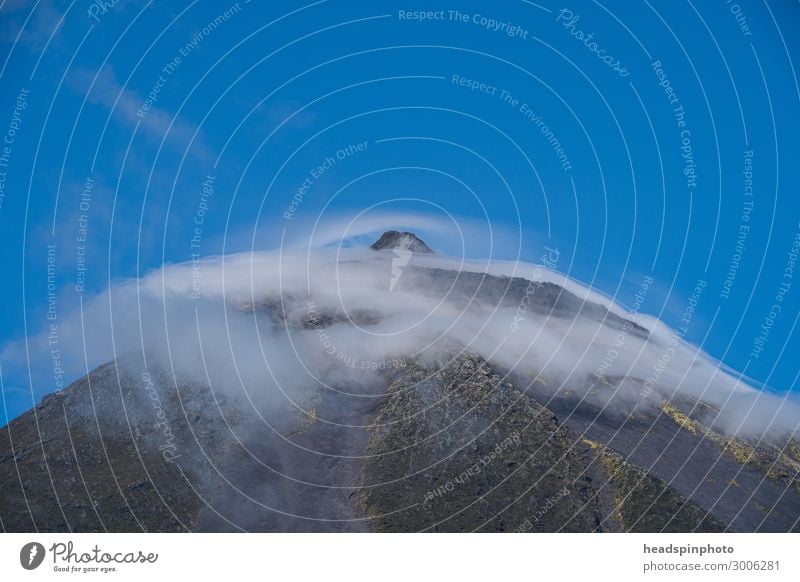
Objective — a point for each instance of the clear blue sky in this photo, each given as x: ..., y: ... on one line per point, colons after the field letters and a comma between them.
x: 144, y: 101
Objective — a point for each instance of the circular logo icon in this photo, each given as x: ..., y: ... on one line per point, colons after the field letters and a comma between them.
x: 31, y: 555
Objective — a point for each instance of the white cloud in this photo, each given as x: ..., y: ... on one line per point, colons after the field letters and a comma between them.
x: 195, y: 320
x: 102, y: 88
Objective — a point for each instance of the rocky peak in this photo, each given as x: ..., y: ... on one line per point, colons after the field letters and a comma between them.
x: 406, y: 241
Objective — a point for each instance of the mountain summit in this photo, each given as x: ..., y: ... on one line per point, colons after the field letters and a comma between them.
x: 405, y: 241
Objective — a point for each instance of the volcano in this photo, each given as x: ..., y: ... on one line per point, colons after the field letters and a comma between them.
x: 446, y: 431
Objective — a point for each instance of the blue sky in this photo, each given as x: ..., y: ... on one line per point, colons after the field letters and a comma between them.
x: 619, y: 132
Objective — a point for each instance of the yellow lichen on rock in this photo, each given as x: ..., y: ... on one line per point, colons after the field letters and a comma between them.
x: 739, y: 450
x: 592, y: 444
x: 680, y: 418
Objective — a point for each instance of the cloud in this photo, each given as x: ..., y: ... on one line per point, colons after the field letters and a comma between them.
x: 33, y: 25
x: 101, y: 87
x: 220, y: 322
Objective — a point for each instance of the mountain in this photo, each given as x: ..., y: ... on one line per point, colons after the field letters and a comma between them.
x: 404, y: 241
x: 444, y: 439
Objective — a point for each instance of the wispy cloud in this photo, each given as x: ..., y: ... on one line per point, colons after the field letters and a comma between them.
x: 101, y: 87
x: 31, y: 24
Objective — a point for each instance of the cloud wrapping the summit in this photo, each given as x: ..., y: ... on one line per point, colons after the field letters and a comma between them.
x: 220, y: 322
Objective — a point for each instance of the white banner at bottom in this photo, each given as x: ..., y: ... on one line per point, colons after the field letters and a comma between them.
x: 356, y: 557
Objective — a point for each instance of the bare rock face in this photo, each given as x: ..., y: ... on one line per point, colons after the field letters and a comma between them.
x: 403, y: 241
x: 458, y: 449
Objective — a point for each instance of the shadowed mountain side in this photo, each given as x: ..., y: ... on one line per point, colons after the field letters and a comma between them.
x: 303, y: 478
x: 750, y: 493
